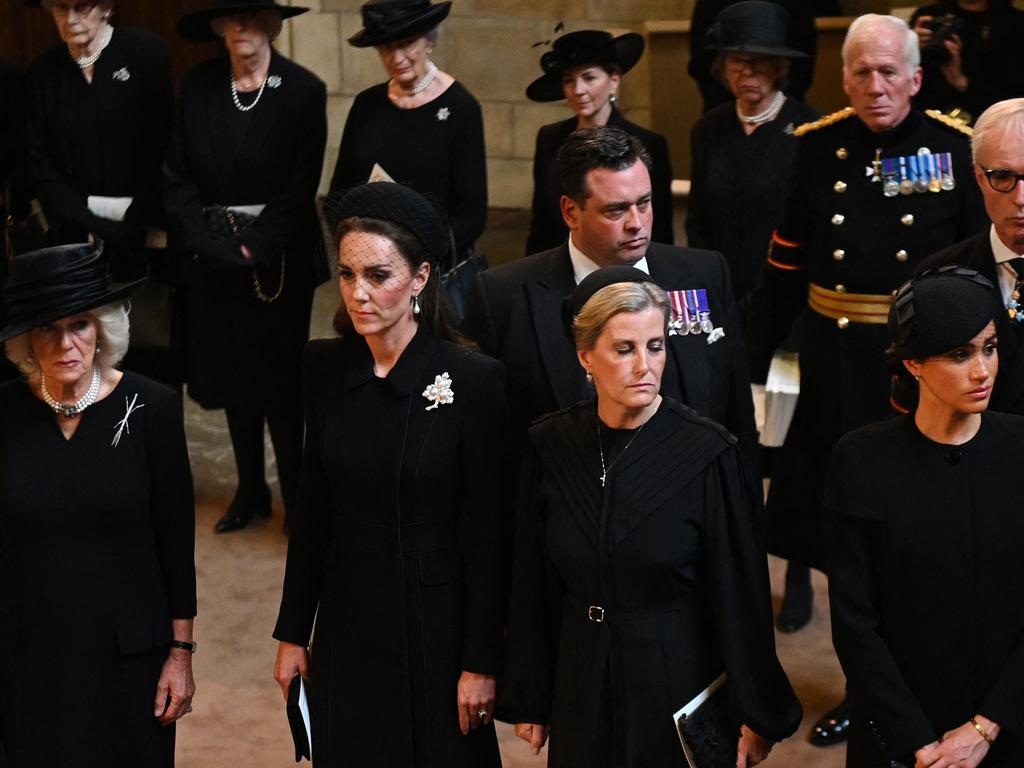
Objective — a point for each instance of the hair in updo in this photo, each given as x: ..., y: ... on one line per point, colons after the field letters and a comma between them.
x: 610, y: 301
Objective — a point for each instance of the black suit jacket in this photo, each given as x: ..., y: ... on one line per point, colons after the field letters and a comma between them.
x: 976, y: 253
x: 515, y: 314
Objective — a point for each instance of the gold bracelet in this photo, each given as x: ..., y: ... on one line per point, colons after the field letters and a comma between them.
x: 982, y: 731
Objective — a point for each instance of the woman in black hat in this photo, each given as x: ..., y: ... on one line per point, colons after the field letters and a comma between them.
x: 240, y: 187
x: 96, y: 529
x: 640, y: 576
x: 585, y: 68
x: 99, y: 108
x: 926, y: 579
x: 397, y: 549
x: 421, y: 127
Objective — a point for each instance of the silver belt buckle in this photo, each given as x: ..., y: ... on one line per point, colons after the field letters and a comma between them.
x: 595, y: 613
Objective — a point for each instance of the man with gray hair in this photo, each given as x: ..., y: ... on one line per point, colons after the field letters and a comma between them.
x: 998, y: 250
x: 874, y: 189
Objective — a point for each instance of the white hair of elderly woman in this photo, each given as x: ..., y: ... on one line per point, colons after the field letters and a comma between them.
x: 111, y: 339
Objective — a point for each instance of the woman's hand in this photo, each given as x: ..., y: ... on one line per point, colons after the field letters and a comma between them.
x: 752, y: 748
x: 533, y: 734
x: 292, y: 660
x: 175, y: 688
x: 924, y: 34
x: 963, y: 747
x: 475, y: 699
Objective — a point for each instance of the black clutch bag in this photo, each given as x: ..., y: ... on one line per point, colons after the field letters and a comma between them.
x: 707, y: 730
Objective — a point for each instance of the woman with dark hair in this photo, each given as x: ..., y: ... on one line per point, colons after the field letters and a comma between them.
x: 397, y: 548
x: 422, y: 127
x: 926, y: 580
x: 586, y: 68
x: 240, y: 186
x: 640, y: 574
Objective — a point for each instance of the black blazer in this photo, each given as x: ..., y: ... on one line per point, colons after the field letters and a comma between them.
x: 547, y: 228
x: 976, y: 253
x: 515, y: 315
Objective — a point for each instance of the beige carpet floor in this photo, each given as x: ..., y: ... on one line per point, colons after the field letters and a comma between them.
x: 239, y: 717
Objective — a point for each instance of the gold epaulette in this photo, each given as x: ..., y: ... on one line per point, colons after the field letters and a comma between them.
x: 957, y: 125
x: 822, y: 122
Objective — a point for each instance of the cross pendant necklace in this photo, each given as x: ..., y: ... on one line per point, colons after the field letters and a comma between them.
x: 600, y: 448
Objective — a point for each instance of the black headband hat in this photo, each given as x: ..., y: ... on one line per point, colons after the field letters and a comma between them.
x: 387, y: 21
x: 576, y: 49
x: 593, y: 283
x: 395, y: 203
x: 195, y: 26
x: 51, y: 283
x: 939, y: 310
x: 752, y: 26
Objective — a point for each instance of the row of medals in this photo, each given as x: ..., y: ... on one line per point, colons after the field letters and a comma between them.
x: 701, y: 323
x: 892, y: 186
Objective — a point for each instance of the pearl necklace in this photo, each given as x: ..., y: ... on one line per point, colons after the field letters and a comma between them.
x: 72, y: 410
x: 422, y: 84
x: 234, y: 94
x: 768, y: 115
x: 87, y: 61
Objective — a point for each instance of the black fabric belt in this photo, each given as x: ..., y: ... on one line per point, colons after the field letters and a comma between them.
x: 416, y: 538
x: 598, y: 614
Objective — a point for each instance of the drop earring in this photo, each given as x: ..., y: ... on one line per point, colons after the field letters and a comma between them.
x: 613, y: 98
x: 416, y: 304
x: 590, y: 378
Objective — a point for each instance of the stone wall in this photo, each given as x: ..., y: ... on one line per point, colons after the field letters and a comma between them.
x: 486, y: 44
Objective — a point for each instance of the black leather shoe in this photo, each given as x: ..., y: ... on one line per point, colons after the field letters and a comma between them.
x: 795, y: 613
x: 241, y: 512
x: 832, y: 728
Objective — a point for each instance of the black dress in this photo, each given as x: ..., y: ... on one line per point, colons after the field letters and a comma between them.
x: 671, y: 550
x: 437, y: 149
x: 927, y: 586
x: 96, y: 558
x: 397, y: 550
x: 737, y: 185
x: 272, y: 156
x: 547, y: 228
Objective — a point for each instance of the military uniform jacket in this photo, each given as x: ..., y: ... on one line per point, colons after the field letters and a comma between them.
x: 840, y: 231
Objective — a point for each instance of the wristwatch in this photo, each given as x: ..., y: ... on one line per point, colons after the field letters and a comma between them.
x: 190, y: 647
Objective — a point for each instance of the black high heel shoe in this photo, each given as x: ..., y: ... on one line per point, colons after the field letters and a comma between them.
x: 241, y: 511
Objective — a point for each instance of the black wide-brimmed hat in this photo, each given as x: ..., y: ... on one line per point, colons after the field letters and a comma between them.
x: 386, y: 21
x: 939, y: 310
x: 396, y: 203
x: 577, y: 49
x: 196, y: 25
x: 752, y: 26
x: 51, y: 283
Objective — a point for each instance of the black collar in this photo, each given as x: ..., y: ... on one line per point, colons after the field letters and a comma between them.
x: 403, y: 376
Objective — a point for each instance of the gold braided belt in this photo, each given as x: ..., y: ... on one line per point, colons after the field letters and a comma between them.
x: 846, y: 308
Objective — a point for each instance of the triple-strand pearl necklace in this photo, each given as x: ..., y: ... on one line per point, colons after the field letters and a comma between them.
x: 71, y: 410
x: 234, y: 93
x: 424, y: 83
x: 764, y: 117
x: 87, y: 61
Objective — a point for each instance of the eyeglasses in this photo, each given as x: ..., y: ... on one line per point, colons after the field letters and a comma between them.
x: 758, y: 64
x: 1002, y: 179
x: 65, y: 9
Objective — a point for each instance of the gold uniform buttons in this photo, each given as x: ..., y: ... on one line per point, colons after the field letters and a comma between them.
x: 907, y: 219
x: 902, y: 255
x: 838, y: 219
x: 841, y: 153
x: 843, y: 322
x: 840, y: 288
x: 838, y: 254
x: 839, y: 186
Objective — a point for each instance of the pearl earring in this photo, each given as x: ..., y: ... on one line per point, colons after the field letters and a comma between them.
x: 613, y: 98
x: 416, y: 304
x: 590, y: 378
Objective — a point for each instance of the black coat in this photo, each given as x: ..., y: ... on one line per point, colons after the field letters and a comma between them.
x: 671, y: 551
x: 976, y: 253
x: 736, y: 187
x: 927, y: 586
x: 277, y: 163
x: 107, y: 137
x: 515, y: 314
x: 96, y: 559
x: 873, y: 246
x: 547, y: 228
x: 396, y: 548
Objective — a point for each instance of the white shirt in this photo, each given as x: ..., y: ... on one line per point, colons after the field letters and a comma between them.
x: 583, y: 266
x: 1003, y: 254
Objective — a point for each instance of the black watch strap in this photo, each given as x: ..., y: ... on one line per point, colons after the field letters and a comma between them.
x: 190, y: 647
